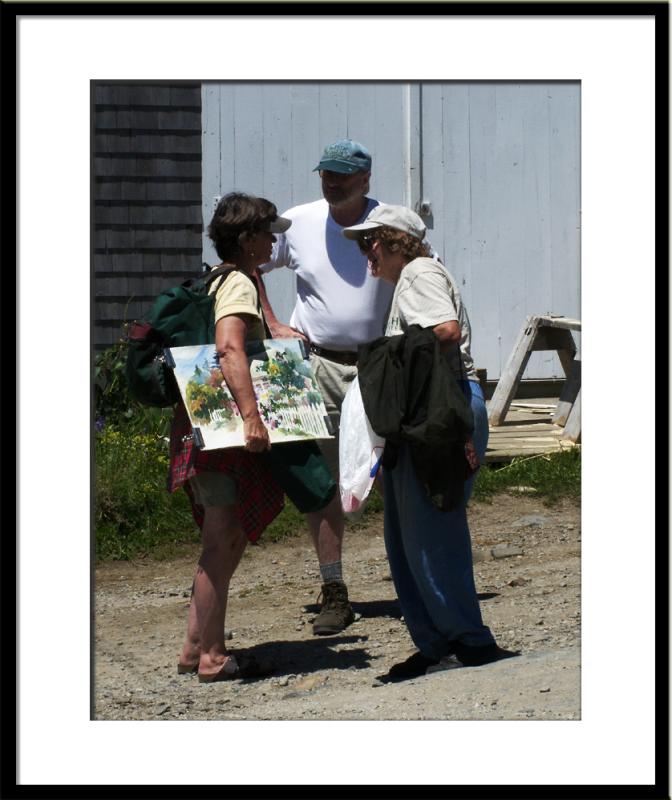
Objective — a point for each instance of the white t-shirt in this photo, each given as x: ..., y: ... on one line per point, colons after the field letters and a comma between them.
x: 427, y: 295
x: 339, y: 305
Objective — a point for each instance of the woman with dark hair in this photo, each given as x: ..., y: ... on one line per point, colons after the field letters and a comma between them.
x: 429, y: 545
x: 231, y: 489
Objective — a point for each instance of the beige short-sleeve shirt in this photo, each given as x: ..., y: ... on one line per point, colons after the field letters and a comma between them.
x: 427, y: 295
x: 238, y: 295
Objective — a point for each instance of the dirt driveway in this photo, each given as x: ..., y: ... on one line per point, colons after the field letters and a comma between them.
x: 530, y: 598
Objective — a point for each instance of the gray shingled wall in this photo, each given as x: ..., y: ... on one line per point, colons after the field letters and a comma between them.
x: 147, y: 197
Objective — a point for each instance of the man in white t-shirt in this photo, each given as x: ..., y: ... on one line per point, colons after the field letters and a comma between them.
x: 339, y: 306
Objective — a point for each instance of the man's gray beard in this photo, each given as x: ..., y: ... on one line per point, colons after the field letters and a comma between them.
x: 343, y: 201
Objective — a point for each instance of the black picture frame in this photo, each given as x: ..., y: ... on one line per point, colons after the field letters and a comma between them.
x: 10, y: 670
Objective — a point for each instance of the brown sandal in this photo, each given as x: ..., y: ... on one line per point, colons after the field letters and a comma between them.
x: 187, y: 669
x: 246, y: 667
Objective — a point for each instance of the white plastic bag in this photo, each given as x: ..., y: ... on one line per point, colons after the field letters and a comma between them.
x: 360, y: 452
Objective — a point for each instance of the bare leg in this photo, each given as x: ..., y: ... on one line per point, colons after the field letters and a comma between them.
x: 326, y: 528
x: 223, y: 546
x: 191, y: 649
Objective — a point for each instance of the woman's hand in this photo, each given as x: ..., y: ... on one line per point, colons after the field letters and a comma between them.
x: 256, y: 435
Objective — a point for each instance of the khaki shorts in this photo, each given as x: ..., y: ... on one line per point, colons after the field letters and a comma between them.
x: 333, y: 381
x: 214, y: 489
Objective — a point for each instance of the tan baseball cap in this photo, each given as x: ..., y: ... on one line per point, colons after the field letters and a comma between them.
x: 398, y: 217
x: 278, y: 225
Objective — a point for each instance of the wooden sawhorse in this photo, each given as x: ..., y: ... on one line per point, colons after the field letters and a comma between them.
x: 543, y: 333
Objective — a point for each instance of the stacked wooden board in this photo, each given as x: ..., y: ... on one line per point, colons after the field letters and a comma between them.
x: 527, y: 430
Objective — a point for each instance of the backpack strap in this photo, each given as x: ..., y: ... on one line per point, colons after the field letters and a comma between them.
x: 267, y: 330
x: 222, y: 271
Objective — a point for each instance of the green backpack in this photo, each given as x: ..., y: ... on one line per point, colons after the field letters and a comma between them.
x: 181, y: 316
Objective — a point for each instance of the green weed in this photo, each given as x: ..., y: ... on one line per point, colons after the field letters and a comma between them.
x: 135, y: 515
x: 553, y: 476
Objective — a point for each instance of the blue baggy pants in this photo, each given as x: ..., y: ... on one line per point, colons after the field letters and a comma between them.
x: 429, y: 551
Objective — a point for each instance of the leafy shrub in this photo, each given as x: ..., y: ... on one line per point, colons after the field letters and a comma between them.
x: 115, y: 407
x: 134, y: 513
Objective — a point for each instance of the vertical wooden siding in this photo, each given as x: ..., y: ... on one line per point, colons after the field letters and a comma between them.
x: 266, y: 138
x: 147, y: 197
x: 499, y: 162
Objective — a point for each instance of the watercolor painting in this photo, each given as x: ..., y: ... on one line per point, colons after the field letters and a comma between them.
x: 289, y: 402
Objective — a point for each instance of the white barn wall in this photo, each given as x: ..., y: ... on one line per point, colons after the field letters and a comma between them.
x: 499, y: 163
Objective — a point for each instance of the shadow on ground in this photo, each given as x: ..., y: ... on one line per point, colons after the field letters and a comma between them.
x: 368, y: 608
x: 291, y: 657
x: 383, y: 608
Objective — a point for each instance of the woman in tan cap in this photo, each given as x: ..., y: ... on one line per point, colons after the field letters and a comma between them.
x: 428, y: 547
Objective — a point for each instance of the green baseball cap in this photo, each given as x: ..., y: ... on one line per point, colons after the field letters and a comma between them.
x: 345, y: 156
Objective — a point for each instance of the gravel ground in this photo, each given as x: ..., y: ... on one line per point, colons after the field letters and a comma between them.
x: 530, y: 598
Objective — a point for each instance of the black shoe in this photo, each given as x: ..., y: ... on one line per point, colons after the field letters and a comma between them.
x: 477, y: 656
x: 413, y: 667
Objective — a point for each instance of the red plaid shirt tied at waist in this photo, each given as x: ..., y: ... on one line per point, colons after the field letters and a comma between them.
x: 260, y: 498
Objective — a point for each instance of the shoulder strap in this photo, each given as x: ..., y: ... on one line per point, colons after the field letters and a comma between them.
x: 222, y: 271
x: 267, y: 330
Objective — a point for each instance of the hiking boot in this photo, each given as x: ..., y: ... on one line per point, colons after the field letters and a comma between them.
x: 336, y: 612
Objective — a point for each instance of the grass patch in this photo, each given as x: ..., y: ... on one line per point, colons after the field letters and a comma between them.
x: 288, y: 523
x: 135, y: 516
x: 134, y: 513
x: 291, y: 522
x: 554, y: 476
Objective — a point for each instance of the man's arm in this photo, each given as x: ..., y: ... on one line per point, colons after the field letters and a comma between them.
x: 277, y: 328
